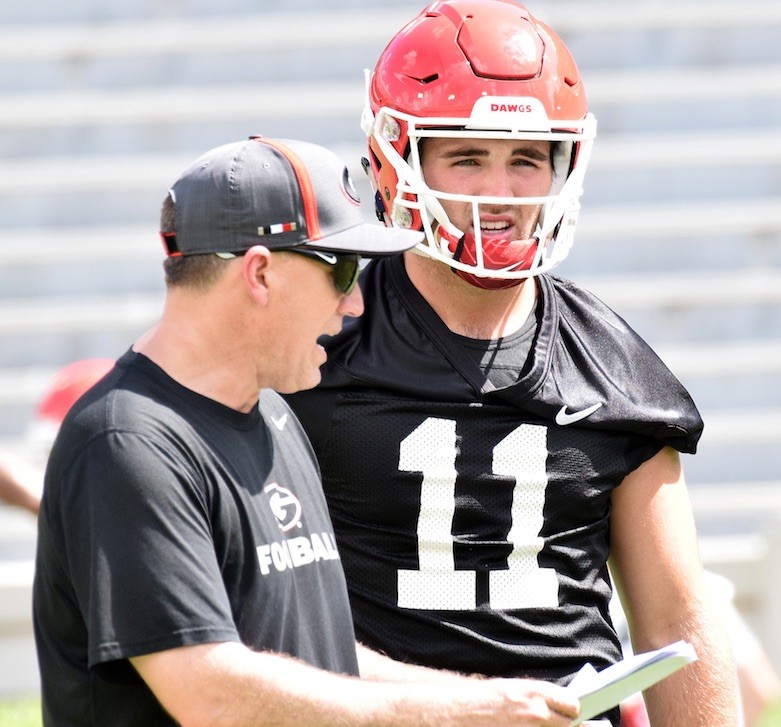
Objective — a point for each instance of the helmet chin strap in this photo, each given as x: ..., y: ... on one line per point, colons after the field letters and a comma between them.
x: 497, y: 254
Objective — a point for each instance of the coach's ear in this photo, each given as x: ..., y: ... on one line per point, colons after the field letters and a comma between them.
x: 256, y: 272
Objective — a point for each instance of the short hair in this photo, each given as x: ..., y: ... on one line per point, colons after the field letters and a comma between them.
x: 196, y: 271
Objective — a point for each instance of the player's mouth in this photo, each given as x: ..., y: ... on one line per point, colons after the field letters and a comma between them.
x: 494, y: 225
x: 495, y: 228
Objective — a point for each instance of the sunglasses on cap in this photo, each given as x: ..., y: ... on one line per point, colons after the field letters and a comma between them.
x: 345, y: 267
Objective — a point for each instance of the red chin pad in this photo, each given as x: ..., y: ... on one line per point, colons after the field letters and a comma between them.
x: 497, y: 254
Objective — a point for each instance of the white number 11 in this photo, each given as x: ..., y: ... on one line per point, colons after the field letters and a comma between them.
x: 437, y: 585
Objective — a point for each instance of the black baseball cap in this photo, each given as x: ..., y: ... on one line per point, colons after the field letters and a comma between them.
x: 279, y: 193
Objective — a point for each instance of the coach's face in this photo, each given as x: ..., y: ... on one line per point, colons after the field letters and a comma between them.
x: 307, y: 306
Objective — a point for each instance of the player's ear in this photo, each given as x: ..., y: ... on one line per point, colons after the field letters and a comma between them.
x: 257, y: 264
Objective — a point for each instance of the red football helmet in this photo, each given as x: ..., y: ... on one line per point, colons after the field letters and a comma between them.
x: 482, y: 69
x: 68, y: 384
x: 64, y: 389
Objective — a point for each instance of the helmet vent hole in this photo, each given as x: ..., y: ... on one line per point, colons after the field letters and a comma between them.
x: 426, y: 79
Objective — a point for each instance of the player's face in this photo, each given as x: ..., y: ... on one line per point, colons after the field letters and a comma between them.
x: 314, y: 307
x: 490, y: 167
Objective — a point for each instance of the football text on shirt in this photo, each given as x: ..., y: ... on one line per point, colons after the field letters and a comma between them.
x: 296, y: 552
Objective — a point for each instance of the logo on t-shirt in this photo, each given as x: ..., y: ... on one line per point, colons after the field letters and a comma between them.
x: 285, y: 506
x: 292, y: 552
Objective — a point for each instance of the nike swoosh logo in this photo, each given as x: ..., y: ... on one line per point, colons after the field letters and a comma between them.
x: 563, y: 418
x: 327, y: 256
x: 280, y: 423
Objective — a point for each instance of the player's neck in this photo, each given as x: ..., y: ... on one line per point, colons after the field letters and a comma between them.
x: 464, y: 308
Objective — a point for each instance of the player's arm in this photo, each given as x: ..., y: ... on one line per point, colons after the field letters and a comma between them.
x: 14, y: 488
x: 212, y: 685
x: 656, y: 564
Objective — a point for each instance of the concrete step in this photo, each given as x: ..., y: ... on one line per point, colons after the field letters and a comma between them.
x: 680, y: 293
x: 624, y: 102
x: 736, y: 148
x: 601, y: 34
x: 757, y: 502
x: 87, y: 11
x: 688, y: 290
x: 114, y: 283
x: 728, y: 376
x: 604, y: 16
x: 193, y: 50
x: 673, y: 189
x: 18, y: 661
x: 723, y: 376
x: 737, y: 445
x: 611, y: 241
x: 686, y: 307
x: 85, y: 313
x: 712, y: 361
x: 668, y: 236
x: 17, y: 533
x: 74, y: 261
x: 57, y: 331
x: 739, y: 95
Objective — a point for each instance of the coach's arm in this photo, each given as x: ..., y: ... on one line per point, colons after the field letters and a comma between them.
x: 212, y: 685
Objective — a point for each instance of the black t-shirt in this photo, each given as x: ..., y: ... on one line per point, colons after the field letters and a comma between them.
x: 472, y: 507
x: 169, y: 520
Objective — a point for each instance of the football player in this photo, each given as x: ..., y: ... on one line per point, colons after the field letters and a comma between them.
x: 491, y: 436
x: 21, y: 478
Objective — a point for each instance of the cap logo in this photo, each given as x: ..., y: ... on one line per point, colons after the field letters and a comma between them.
x: 349, y: 187
x: 276, y: 229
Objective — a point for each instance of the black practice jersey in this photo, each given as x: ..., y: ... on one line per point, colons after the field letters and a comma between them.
x: 170, y: 520
x: 473, y: 520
